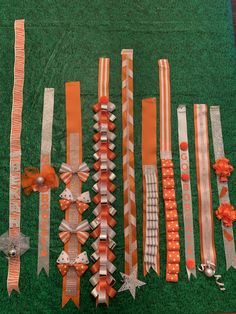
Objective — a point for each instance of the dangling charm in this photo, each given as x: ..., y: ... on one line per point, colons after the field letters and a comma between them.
x: 12, y: 251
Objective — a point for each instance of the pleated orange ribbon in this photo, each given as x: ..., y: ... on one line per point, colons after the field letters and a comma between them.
x: 33, y: 180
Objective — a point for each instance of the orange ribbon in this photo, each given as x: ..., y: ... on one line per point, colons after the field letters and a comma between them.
x: 30, y: 175
x: 65, y: 204
x: 223, y: 169
x: 226, y: 213
x: 79, y: 268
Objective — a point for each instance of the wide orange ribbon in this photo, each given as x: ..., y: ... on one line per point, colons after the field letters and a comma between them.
x: 79, y: 268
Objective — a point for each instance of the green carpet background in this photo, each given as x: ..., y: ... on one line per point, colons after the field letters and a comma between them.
x: 64, y: 40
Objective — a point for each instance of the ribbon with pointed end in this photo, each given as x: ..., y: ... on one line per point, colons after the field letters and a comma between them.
x: 79, y: 263
x: 51, y: 180
x: 81, y: 201
x: 131, y: 251
x: 104, y: 222
x: 67, y: 171
x: 151, y: 258
x: 186, y: 192
x: 80, y: 230
x: 168, y: 183
x: 218, y: 145
x: 207, y: 246
x: 14, y: 237
x: 73, y: 202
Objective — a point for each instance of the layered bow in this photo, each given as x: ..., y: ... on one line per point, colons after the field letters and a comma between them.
x: 67, y: 171
x: 81, y: 201
x: 80, y: 231
x: 34, y: 180
x: 223, y: 169
x: 226, y: 213
x: 79, y: 263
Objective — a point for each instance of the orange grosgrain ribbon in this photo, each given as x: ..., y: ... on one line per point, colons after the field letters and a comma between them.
x: 151, y: 258
x: 102, y: 225
x: 73, y: 231
x: 168, y: 184
x: 13, y: 243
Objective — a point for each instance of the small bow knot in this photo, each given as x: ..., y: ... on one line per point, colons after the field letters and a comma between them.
x: 79, y: 263
x: 81, y: 201
x: 67, y: 171
x: 67, y: 230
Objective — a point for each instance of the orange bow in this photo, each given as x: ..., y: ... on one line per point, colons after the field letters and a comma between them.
x: 79, y: 268
x: 65, y: 204
x: 223, y: 169
x: 30, y: 176
x: 226, y: 213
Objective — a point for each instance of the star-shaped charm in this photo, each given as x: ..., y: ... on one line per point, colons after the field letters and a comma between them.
x: 131, y: 282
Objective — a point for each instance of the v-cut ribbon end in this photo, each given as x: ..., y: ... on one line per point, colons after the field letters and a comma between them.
x: 66, y: 299
x: 10, y: 289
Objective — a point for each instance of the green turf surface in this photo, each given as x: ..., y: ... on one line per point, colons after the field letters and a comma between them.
x: 64, y: 40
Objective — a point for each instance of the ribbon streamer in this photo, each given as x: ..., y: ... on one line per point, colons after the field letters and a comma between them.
x: 186, y: 192
x: 218, y: 145
x: 15, y: 241
x: 45, y: 197
x: 208, y: 254
x: 168, y: 184
x: 73, y: 230
x: 103, y: 256
x: 151, y: 258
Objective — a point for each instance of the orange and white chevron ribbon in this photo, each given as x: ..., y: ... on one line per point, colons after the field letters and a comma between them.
x: 168, y: 184
x: 13, y: 243
x: 131, y: 256
x: 103, y: 256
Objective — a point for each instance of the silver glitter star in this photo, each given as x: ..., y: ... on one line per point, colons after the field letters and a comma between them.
x: 131, y: 283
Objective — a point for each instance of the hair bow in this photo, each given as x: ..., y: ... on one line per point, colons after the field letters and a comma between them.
x: 34, y: 180
x: 79, y: 263
x: 81, y: 201
x: 67, y: 171
x: 67, y: 230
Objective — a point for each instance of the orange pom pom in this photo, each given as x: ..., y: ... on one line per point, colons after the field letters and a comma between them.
x: 190, y: 263
x: 183, y: 145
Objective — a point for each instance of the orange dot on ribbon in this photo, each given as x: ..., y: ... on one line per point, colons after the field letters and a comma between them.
x: 183, y: 145
x: 185, y: 177
x: 190, y: 263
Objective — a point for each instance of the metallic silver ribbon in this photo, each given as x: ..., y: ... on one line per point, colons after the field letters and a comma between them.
x: 218, y: 145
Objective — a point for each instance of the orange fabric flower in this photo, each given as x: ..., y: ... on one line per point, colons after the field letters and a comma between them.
x: 226, y: 213
x: 223, y: 169
x: 30, y: 176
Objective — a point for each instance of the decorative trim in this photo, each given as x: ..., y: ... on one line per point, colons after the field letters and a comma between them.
x: 186, y: 192
x: 168, y: 184
x: 131, y: 252
x: 102, y: 225
x: 218, y: 144
x: 13, y: 243
x: 73, y: 231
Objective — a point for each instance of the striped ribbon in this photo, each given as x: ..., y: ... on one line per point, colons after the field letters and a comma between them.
x: 73, y: 216
x: 44, y: 197
x: 186, y: 192
x: 151, y: 258
x: 104, y: 222
x: 131, y: 254
x: 218, y: 144
x: 208, y: 254
x: 16, y: 242
x: 168, y: 184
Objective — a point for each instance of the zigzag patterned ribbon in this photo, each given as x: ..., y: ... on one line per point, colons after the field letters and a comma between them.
x: 207, y: 246
x: 151, y: 258
x: 44, y: 197
x: 72, y: 227
x: 102, y: 225
x: 218, y: 144
x: 172, y: 226
x: 13, y: 243
x: 131, y: 256
x: 186, y: 192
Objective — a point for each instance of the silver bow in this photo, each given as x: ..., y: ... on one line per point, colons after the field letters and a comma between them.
x: 17, y: 245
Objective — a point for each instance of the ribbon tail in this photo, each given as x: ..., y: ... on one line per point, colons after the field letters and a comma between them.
x: 12, y: 288
x: 231, y: 262
x: 41, y: 268
x: 66, y: 299
x: 43, y: 264
x: 191, y: 272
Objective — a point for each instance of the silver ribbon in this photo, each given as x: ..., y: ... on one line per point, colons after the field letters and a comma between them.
x: 19, y: 244
x: 218, y: 145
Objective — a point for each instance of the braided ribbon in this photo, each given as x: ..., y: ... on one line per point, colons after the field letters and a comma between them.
x: 168, y: 184
x: 218, y: 144
x: 15, y: 241
x: 73, y: 230
x: 102, y: 225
